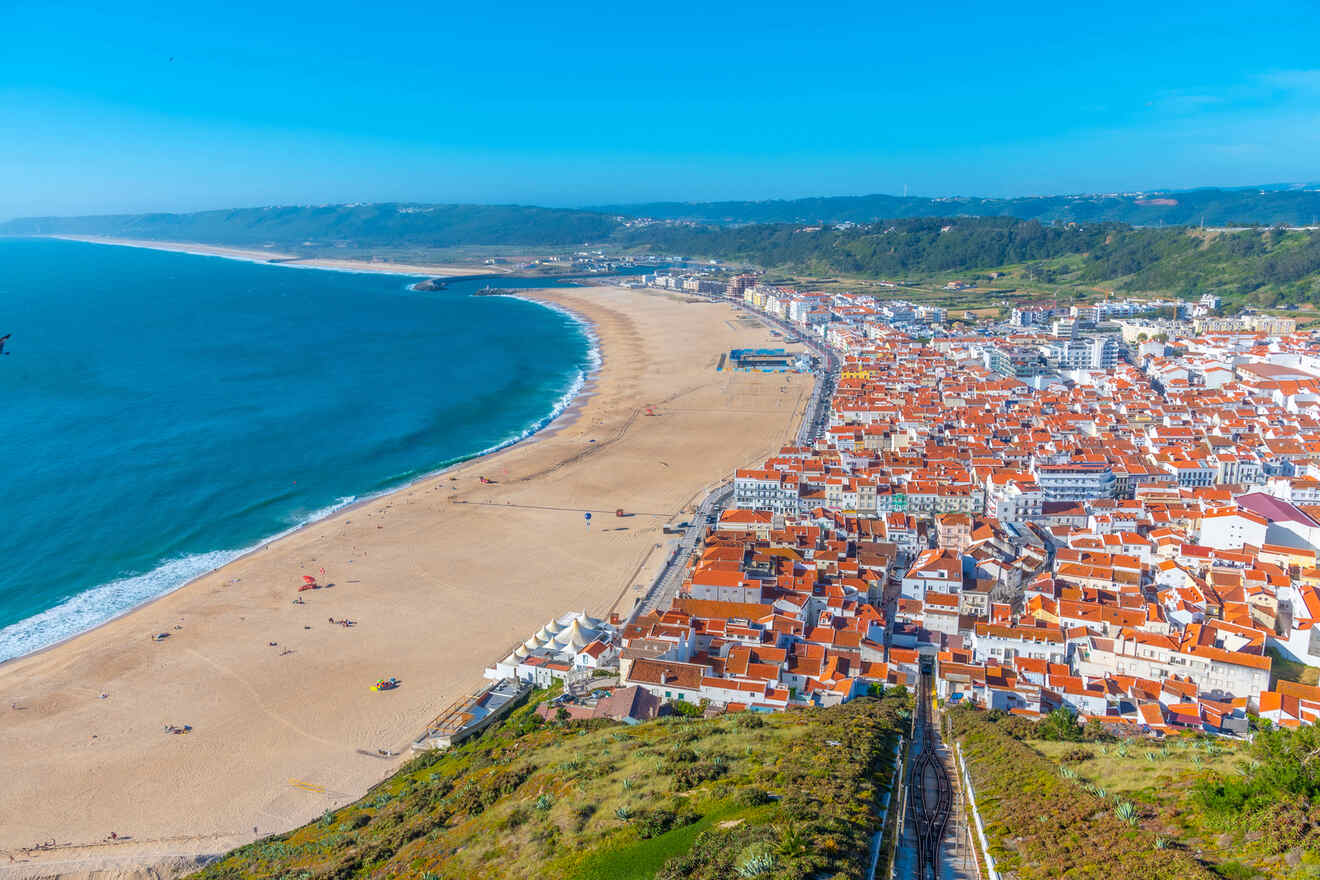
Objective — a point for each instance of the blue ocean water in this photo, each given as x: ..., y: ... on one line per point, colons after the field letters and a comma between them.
x: 163, y: 412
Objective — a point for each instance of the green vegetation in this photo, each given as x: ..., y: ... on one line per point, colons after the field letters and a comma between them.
x: 890, y: 248
x: 364, y: 226
x: 1264, y: 268
x: 1283, y: 669
x: 1044, y: 824
x: 1005, y: 257
x: 1216, y: 207
x: 1266, y: 805
x: 1244, y: 810
x: 791, y: 795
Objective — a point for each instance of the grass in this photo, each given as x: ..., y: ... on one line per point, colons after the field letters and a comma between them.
x: 641, y: 861
x: 1042, y: 825
x: 1137, y: 777
x: 1284, y: 669
x: 1162, y: 791
x: 596, y: 800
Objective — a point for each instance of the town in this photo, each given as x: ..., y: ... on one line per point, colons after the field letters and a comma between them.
x: 1110, y: 508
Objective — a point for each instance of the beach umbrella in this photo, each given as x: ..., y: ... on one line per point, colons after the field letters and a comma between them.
x: 308, y: 579
x: 588, y: 517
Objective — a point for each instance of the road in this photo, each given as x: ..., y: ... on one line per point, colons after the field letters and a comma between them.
x: 666, y: 584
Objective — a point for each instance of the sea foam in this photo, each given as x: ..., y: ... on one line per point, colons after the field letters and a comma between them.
x: 100, y: 604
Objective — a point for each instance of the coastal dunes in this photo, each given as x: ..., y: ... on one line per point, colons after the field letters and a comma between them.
x: 442, y: 578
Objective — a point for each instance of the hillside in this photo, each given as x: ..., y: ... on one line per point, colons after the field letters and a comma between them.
x: 1267, y: 206
x: 367, y: 225
x: 1258, y: 267
x: 1042, y: 823
x: 791, y: 795
x: 1052, y: 795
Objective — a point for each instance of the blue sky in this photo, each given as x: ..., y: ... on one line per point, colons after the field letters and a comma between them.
x: 573, y: 104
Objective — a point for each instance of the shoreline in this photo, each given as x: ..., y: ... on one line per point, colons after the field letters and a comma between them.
x: 565, y: 409
x: 291, y: 261
x: 440, y: 576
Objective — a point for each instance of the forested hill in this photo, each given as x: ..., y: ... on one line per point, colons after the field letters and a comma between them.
x: 374, y: 225
x: 1261, y: 267
x: 1266, y: 206
x: 889, y: 248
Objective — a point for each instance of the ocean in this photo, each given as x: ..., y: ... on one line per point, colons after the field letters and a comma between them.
x: 163, y: 413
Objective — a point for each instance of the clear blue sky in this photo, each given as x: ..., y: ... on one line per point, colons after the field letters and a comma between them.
x: 572, y: 104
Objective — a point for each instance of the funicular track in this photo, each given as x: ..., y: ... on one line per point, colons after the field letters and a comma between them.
x: 930, y: 791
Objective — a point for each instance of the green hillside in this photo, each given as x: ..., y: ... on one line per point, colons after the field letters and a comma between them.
x: 1258, y: 267
x: 1187, y: 807
x: 368, y: 225
x: 1296, y: 205
x: 792, y: 795
x: 1042, y: 823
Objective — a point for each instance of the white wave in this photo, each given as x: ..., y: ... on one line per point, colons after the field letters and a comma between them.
x: 94, y: 607
x: 99, y: 604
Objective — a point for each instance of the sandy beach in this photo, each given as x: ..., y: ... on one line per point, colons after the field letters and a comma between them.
x: 263, y: 255
x: 442, y: 577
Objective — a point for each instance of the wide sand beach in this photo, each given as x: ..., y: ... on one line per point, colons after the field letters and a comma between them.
x: 263, y: 255
x: 443, y: 577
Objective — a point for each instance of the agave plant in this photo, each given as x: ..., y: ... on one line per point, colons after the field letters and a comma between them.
x: 628, y: 784
x: 791, y: 841
x: 1151, y: 756
x: 1123, y: 749
x: 544, y: 802
x: 1126, y: 811
x: 624, y: 813
x: 1067, y: 772
x: 757, y: 865
x: 1161, y: 842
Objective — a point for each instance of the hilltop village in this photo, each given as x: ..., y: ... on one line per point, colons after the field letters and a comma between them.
x: 1091, y: 508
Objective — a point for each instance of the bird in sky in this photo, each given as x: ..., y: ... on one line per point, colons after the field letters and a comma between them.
x: 2, y: 342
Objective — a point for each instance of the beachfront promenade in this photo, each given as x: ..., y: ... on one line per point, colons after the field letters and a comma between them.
x: 440, y: 577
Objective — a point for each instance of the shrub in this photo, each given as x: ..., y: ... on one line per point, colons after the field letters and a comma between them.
x: 691, y: 775
x: 582, y: 815
x: 1076, y: 755
x: 753, y: 796
x: 653, y: 823
x: 750, y: 720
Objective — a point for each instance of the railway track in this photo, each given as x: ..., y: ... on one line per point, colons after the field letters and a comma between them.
x: 930, y: 792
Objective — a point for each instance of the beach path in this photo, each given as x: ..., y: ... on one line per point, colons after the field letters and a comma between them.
x: 443, y: 578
